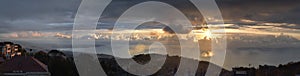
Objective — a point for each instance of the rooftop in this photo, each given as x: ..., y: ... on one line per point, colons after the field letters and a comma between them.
x: 22, y: 64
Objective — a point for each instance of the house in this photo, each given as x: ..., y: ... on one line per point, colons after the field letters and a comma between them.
x: 17, y: 50
x: 9, y: 50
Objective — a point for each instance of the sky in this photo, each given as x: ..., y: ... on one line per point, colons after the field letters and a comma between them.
x: 259, y: 31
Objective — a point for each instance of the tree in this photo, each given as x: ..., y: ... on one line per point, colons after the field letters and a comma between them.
x: 58, y: 65
x: 41, y: 56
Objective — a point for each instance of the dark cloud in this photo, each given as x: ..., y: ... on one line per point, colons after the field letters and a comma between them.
x: 117, y: 7
x: 32, y: 9
x: 276, y: 11
x: 36, y: 15
x: 261, y: 10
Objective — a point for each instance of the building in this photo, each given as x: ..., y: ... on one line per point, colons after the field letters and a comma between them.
x: 17, y: 50
x: 13, y: 62
x: 23, y: 66
x: 9, y: 50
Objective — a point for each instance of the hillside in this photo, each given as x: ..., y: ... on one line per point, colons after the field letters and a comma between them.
x: 168, y: 69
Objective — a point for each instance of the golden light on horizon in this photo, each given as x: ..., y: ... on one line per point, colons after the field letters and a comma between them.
x: 207, y: 54
x: 137, y: 49
x: 207, y: 34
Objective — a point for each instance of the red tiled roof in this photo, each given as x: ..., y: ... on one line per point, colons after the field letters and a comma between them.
x: 22, y: 63
x: 2, y: 59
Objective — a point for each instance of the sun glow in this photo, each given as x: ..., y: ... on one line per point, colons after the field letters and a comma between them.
x: 207, y: 54
x: 207, y: 34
